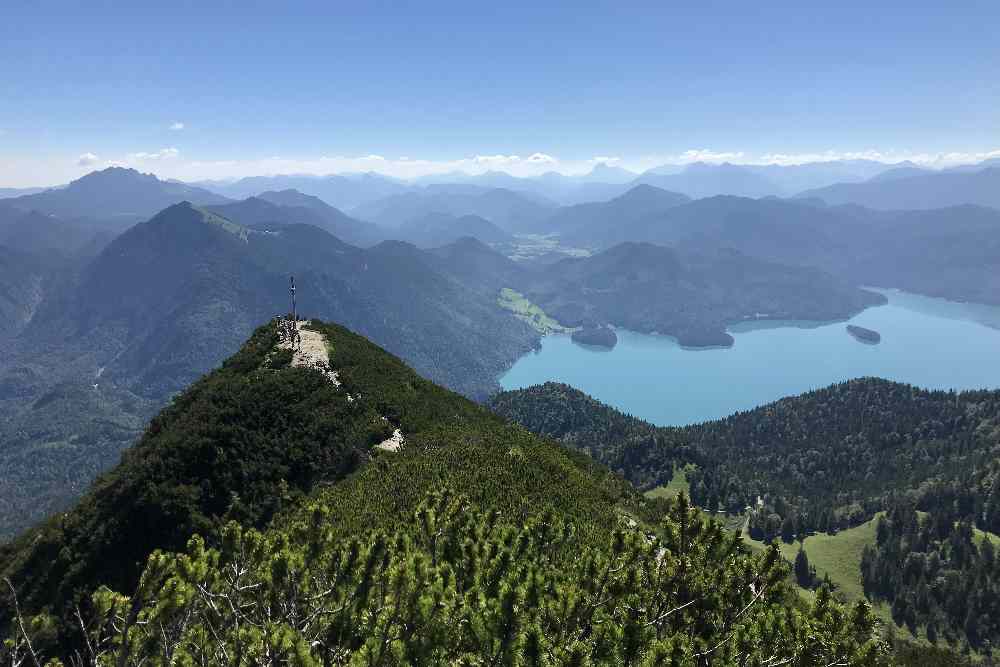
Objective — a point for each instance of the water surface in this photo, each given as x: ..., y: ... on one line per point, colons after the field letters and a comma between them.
x: 928, y: 342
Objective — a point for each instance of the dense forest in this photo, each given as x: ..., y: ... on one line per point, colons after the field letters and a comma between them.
x: 255, y: 523
x: 937, y: 574
x: 643, y: 454
x: 824, y: 460
x: 230, y: 447
x: 832, y: 458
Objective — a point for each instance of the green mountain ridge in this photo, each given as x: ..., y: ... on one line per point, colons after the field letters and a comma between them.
x: 167, y: 300
x: 809, y: 467
x: 476, y: 542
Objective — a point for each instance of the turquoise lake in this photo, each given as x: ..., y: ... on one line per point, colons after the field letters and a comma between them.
x: 928, y: 342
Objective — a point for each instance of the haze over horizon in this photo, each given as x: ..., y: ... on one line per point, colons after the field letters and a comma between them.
x: 185, y: 92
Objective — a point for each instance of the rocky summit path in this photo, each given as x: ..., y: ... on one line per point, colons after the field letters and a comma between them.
x: 312, y: 351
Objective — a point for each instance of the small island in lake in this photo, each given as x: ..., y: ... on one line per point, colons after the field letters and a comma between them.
x: 864, y: 335
x: 599, y: 336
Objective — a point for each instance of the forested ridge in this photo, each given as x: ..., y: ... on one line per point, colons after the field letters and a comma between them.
x: 255, y: 523
x: 644, y: 454
x: 236, y: 445
x: 825, y: 461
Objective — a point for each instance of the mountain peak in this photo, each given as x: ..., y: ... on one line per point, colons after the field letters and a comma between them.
x: 607, y: 173
x: 186, y: 212
x: 119, y: 194
x: 112, y: 174
x: 644, y: 193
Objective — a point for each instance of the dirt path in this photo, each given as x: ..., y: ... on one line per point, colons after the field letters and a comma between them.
x: 311, y: 351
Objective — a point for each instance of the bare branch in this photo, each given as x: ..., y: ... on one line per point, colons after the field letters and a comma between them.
x: 20, y: 624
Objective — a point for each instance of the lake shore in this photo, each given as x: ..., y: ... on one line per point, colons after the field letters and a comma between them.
x: 657, y: 378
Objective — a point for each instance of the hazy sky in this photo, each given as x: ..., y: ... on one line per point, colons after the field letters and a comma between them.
x: 194, y: 92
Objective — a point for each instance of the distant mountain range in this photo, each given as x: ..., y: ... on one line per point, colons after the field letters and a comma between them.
x: 511, y: 211
x: 951, y: 252
x: 40, y: 233
x: 917, y: 189
x: 596, y: 220
x: 344, y: 191
x: 438, y: 229
x: 707, y: 180
x: 137, y: 196
x: 115, y: 195
x: 289, y: 207
x: 603, y: 182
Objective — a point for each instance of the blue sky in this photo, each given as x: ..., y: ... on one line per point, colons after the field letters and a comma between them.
x: 317, y: 87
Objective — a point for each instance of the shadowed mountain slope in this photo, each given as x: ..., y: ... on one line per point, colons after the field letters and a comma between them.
x: 692, y: 296
x: 277, y: 209
x: 170, y: 298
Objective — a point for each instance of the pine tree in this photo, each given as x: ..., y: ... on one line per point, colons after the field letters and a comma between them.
x: 804, y: 574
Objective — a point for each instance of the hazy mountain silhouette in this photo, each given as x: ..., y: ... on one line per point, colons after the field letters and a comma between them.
x: 480, y: 267
x: 706, y: 180
x: 978, y: 166
x: 509, y: 210
x: 918, y: 191
x: 952, y: 252
x: 115, y: 194
x: 606, y: 173
x: 438, y: 229
x: 287, y: 207
x: 601, y: 183
x: 343, y: 191
x: 903, y: 170
x: 595, y: 220
x: 794, y: 178
x: 39, y: 233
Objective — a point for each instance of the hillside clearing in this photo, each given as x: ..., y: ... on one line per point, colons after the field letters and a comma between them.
x: 531, y: 313
x: 679, y: 482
